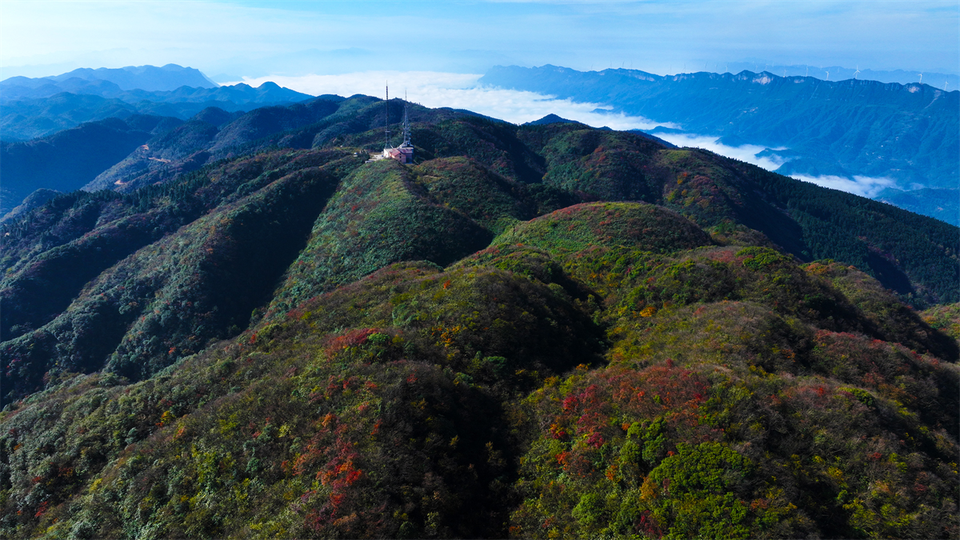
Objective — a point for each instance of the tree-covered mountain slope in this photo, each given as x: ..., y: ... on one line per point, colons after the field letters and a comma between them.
x: 33, y: 117
x: 532, y: 331
x: 71, y: 158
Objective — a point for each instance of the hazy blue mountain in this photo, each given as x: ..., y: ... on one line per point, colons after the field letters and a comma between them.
x: 907, y: 133
x: 268, y: 92
x: 852, y: 127
x: 37, y: 107
x: 943, y: 81
x: 151, y: 78
x: 943, y: 204
x: 34, y: 117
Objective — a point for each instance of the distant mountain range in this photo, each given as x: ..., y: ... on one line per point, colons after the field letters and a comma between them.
x: 149, y: 78
x: 33, y: 108
x: 943, y: 81
x: 941, y: 203
x: 907, y: 133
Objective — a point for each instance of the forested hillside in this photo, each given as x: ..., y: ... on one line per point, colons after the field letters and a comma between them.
x: 71, y: 158
x: 532, y: 331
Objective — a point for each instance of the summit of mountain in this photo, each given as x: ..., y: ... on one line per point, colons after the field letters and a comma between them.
x: 540, y: 330
x: 548, y: 119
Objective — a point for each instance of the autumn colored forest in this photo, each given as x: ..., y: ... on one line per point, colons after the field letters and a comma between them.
x: 541, y: 331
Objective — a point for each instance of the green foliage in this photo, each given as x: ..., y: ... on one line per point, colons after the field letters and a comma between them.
x: 466, y: 186
x: 946, y: 319
x: 170, y: 297
x: 698, y: 492
x: 878, y: 239
x: 376, y: 219
x: 602, y: 165
x: 299, y: 344
x: 633, y: 225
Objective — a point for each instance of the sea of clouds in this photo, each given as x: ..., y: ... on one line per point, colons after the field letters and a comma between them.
x: 459, y: 91
x: 462, y: 91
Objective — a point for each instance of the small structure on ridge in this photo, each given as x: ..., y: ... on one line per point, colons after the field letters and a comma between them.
x: 404, y: 152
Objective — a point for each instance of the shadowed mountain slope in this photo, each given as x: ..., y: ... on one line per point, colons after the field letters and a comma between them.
x: 71, y: 158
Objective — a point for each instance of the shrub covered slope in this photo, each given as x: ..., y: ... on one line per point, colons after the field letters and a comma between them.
x: 538, y: 331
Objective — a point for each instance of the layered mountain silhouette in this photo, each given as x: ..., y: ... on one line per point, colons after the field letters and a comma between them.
x: 903, y: 133
x: 147, y: 78
x: 39, y: 107
x: 943, y: 81
x: 545, y: 330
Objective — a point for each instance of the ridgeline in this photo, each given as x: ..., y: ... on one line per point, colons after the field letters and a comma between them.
x: 532, y: 331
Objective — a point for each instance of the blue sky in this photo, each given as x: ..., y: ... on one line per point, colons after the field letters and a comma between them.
x: 234, y: 39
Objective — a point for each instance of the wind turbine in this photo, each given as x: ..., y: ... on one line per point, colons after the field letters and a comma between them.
x: 921, y: 78
x: 828, y: 75
x: 945, y: 83
x: 857, y: 72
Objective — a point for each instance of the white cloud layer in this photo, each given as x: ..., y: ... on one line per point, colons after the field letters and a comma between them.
x: 865, y: 186
x: 458, y: 91
x: 748, y: 152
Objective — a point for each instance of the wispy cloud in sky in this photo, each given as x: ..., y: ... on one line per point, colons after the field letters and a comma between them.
x: 243, y: 38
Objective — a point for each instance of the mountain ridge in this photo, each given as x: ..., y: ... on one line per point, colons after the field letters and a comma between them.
x: 36, y: 107
x: 149, y: 78
x: 573, y: 164
x: 531, y: 331
x: 817, y: 128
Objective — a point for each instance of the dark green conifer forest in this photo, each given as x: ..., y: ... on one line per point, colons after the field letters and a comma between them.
x: 541, y: 331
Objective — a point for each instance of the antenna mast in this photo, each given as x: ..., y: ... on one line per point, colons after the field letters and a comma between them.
x: 386, y: 120
x: 406, y: 123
